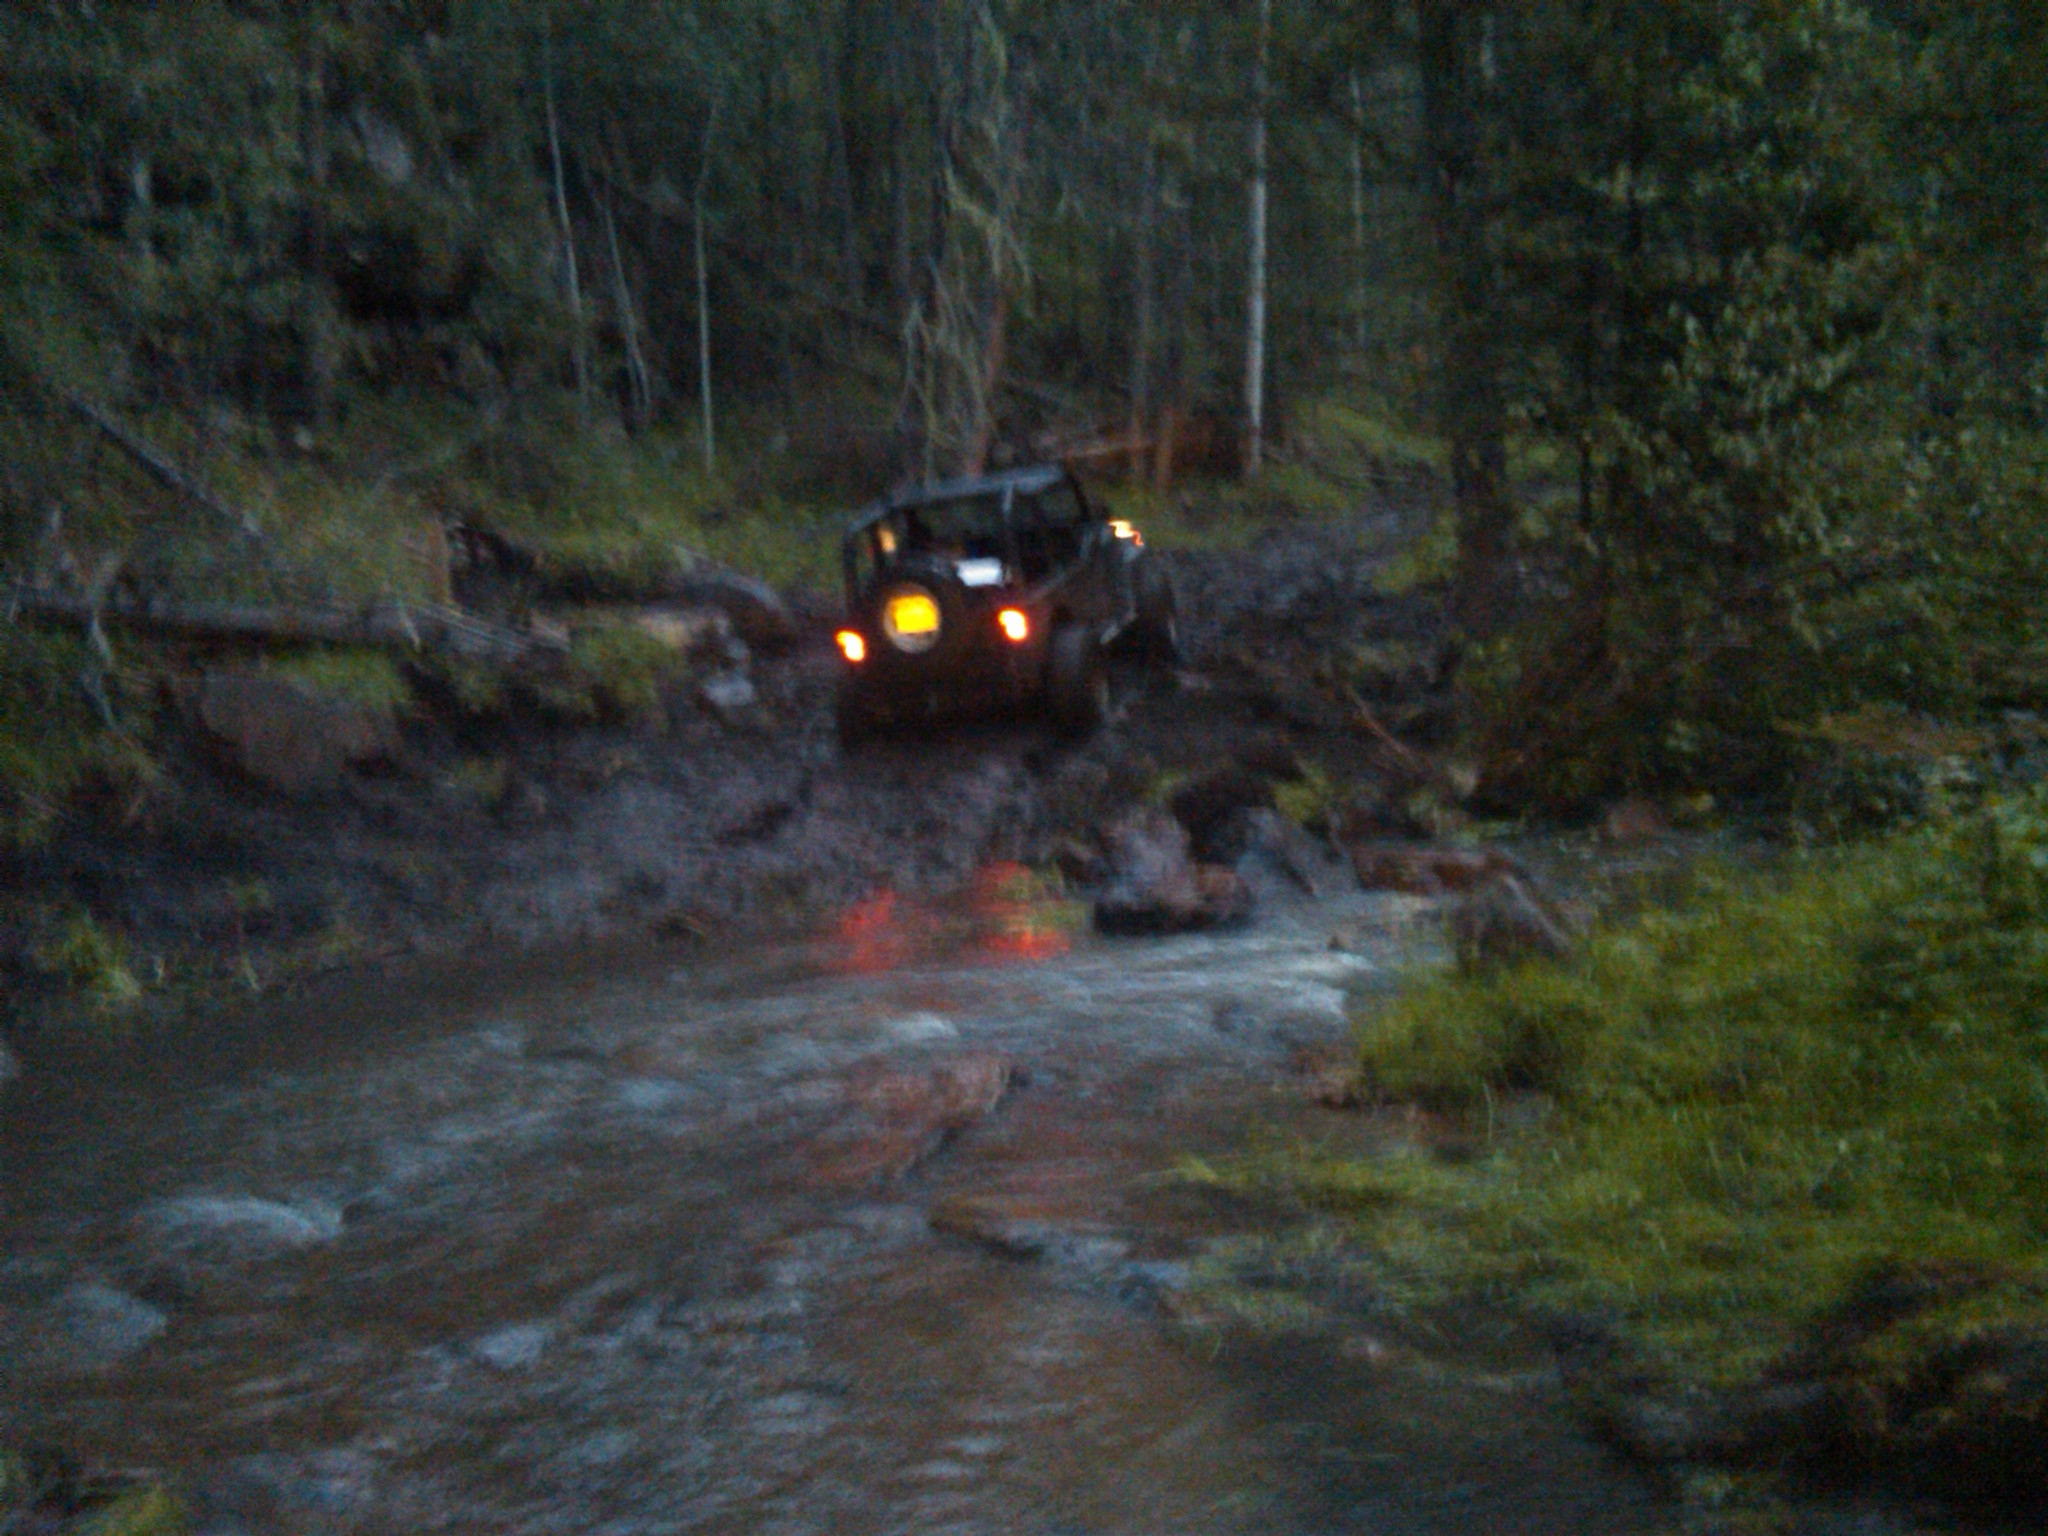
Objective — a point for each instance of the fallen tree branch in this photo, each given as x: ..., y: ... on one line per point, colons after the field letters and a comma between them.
x: 159, y: 467
x: 394, y: 625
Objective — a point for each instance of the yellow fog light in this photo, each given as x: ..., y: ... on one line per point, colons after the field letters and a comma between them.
x: 852, y: 646
x: 910, y: 618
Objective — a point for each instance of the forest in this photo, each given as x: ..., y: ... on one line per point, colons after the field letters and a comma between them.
x: 1696, y: 353
x: 1721, y: 322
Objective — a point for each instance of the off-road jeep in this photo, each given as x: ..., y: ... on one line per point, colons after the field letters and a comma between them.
x: 1000, y: 592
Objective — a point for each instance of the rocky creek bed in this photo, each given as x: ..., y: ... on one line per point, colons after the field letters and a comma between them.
x: 874, y: 1232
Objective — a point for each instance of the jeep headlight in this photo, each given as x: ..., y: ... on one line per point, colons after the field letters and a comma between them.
x: 910, y: 618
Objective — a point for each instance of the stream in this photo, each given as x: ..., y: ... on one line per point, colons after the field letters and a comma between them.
x: 871, y: 1231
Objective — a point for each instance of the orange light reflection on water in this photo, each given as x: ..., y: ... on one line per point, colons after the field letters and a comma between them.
x: 1005, y: 918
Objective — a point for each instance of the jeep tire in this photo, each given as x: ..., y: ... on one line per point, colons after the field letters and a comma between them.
x: 1157, y: 629
x: 1076, y: 681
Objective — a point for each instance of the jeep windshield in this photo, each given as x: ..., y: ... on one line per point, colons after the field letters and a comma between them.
x: 967, y: 533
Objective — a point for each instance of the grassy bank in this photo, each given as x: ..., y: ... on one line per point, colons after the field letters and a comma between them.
x: 1795, y: 1127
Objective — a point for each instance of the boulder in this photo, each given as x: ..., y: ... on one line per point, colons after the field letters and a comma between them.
x: 285, y: 733
x: 731, y: 699
x: 1156, y: 887
x: 758, y: 613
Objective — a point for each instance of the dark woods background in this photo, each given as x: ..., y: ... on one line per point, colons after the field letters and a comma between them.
x: 1723, y: 322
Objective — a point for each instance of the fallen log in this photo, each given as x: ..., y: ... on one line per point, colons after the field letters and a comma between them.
x: 394, y: 625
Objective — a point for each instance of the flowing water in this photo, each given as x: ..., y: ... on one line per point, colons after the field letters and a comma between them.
x: 862, y: 1234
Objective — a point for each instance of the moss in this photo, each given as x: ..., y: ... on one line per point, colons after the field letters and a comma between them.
x: 1310, y: 801
x: 1426, y: 562
x: 368, y: 678
x: 84, y: 955
x: 1761, y: 1096
x: 613, y: 670
x: 141, y: 1512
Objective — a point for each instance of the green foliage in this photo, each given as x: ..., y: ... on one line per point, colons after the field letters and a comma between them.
x: 92, y: 959
x: 1311, y: 800
x: 151, y: 1511
x: 51, y: 740
x: 613, y: 670
x: 369, y: 678
x: 1759, y: 1096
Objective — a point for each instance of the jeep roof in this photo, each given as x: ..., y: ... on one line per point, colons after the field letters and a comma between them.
x: 1029, y: 481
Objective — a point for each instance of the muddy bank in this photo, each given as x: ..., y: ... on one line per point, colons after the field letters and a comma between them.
x: 729, y: 807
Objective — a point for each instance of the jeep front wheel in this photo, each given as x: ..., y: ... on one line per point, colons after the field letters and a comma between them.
x: 1158, y: 626
x: 1076, y: 681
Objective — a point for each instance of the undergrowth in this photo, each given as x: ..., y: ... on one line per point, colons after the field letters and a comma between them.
x: 1757, y: 1098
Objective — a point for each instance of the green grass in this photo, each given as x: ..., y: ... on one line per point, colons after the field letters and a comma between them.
x: 1761, y: 1097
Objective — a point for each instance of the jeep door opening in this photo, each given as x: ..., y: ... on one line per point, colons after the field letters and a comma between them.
x: 996, y: 593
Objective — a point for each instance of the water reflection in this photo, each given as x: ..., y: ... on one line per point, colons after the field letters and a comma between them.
x: 1008, y: 914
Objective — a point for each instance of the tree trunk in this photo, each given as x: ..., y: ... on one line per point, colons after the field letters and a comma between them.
x: 568, y: 228
x: 639, y: 382
x: 1255, y: 321
x: 705, y: 399
x: 1359, y: 329
x: 321, y: 359
x: 1472, y: 397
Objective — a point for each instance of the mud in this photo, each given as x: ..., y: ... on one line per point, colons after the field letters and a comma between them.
x: 695, y: 826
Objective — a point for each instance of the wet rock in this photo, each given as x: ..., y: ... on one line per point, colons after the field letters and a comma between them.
x: 285, y: 734
x: 1424, y: 869
x: 1508, y: 919
x: 99, y: 1325
x: 1155, y: 887
x: 284, y: 1491
x: 514, y: 1348
x: 241, y: 1226
x: 731, y: 699
x: 1274, y: 842
x: 898, y: 1117
x: 920, y: 1029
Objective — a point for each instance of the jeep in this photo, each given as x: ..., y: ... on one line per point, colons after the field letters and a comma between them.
x: 999, y: 592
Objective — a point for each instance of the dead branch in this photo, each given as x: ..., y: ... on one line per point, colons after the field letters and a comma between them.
x: 158, y: 466
x: 392, y: 625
